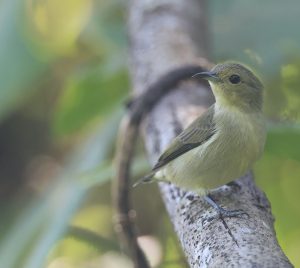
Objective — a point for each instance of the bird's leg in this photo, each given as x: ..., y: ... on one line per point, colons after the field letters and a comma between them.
x: 223, y: 213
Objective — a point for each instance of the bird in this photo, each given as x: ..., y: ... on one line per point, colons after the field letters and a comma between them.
x: 224, y: 142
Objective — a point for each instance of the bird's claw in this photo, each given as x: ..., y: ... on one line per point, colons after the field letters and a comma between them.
x: 224, y: 213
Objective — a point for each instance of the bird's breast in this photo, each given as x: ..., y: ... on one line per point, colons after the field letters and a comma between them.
x: 243, y: 137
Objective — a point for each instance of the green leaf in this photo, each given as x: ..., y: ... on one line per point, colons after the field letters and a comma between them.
x: 88, y: 95
x: 18, y: 66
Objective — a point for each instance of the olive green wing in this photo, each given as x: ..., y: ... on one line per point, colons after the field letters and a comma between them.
x: 196, y: 134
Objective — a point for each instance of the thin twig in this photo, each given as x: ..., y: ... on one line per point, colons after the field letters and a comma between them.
x: 124, y: 224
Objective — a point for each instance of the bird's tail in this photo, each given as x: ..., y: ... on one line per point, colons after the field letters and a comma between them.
x: 146, y: 179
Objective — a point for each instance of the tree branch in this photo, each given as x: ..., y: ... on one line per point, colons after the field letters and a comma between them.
x: 165, y: 34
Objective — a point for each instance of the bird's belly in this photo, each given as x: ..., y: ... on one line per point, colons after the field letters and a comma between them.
x: 199, y: 169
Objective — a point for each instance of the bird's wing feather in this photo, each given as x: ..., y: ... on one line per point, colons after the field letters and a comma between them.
x: 199, y: 132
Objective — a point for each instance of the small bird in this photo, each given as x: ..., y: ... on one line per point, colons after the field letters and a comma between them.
x: 224, y: 142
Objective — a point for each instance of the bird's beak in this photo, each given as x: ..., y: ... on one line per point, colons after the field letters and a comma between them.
x: 211, y: 76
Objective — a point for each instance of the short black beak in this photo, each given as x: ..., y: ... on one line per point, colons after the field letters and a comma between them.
x: 207, y: 76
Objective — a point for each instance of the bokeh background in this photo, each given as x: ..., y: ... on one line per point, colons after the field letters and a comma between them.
x: 63, y: 81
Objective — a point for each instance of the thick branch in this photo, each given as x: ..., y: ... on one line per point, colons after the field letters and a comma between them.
x: 169, y: 33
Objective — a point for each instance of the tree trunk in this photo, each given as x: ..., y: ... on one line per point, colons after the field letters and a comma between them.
x: 165, y: 34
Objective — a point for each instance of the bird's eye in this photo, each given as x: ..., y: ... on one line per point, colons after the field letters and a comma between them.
x: 234, y: 79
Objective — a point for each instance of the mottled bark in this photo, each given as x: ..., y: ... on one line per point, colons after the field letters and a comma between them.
x: 165, y: 34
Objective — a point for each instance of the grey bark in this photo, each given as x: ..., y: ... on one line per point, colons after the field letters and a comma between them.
x: 165, y: 34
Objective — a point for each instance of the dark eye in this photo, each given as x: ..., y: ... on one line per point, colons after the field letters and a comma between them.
x: 235, y: 79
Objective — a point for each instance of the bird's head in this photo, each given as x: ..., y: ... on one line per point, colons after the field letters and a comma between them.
x: 235, y: 85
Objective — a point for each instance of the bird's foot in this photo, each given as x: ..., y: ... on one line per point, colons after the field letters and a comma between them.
x: 224, y: 213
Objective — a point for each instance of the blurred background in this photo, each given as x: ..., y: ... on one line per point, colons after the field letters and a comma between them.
x: 64, y: 79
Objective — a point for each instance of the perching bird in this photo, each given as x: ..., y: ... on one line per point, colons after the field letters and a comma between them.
x: 224, y: 142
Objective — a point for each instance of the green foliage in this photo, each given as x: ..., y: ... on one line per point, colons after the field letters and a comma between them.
x: 46, y: 219
x: 281, y: 141
x: 94, y: 93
